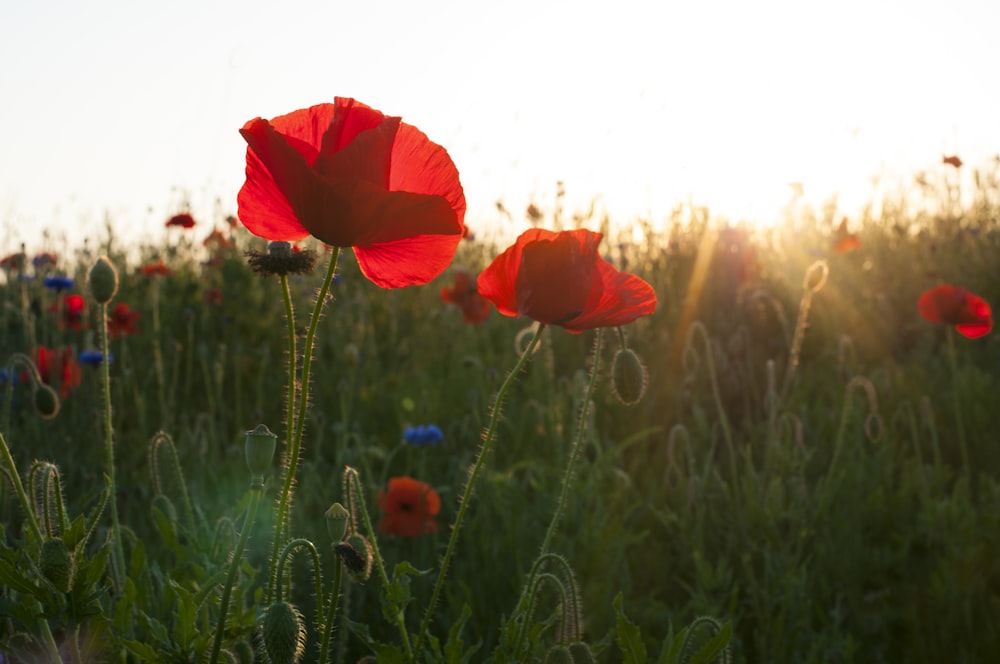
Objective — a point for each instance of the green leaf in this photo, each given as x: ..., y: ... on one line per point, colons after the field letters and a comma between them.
x: 143, y: 651
x: 629, y: 639
x: 453, y: 653
x: 714, y: 647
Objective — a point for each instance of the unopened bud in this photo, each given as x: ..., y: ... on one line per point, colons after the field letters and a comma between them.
x: 558, y: 654
x: 356, y: 554
x: 284, y: 633
x: 581, y: 653
x: 103, y: 280
x: 46, y: 401
x: 56, y: 563
x: 628, y: 377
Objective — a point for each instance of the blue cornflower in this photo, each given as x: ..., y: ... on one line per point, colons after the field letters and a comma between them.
x: 93, y: 358
x: 423, y: 435
x: 58, y: 283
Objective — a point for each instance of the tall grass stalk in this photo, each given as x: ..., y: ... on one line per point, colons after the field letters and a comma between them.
x: 116, y: 532
x: 818, y: 271
x: 963, y: 445
x: 470, y: 485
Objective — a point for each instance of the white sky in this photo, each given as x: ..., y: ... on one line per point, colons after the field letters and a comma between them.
x: 122, y: 108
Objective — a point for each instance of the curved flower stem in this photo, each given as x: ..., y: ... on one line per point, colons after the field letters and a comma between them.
x: 962, y: 445
x: 574, y: 453
x: 15, y: 478
x: 234, y: 566
x: 282, y: 523
x: 119, y: 553
x: 317, y: 571
x: 473, y: 476
x: 331, y: 617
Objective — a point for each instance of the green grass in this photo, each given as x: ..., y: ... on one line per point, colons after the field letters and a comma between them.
x: 718, y: 500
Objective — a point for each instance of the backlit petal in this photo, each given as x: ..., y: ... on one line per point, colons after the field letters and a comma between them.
x: 407, y: 262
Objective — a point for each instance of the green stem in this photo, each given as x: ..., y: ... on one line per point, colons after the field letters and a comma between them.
x: 574, y: 454
x: 463, y: 504
x: 119, y: 553
x: 234, y: 566
x: 317, y: 572
x: 283, y: 521
x: 15, y: 478
x: 161, y: 388
x: 331, y: 618
x: 956, y: 398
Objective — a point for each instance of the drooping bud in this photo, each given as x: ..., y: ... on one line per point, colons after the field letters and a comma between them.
x: 259, y: 447
x: 558, y: 654
x: 581, y: 653
x: 284, y: 633
x: 356, y: 554
x: 103, y: 280
x: 46, y: 401
x: 628, y: 377
x: 337, y: 519
x: 56, y: 563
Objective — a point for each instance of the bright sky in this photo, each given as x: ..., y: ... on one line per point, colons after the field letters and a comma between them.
x: 124, y: 109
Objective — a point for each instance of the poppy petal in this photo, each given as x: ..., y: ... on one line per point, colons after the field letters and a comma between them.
x: 418, y: 164
x: 409, y: 261
x: 620, y: 299
x: 941, y: 304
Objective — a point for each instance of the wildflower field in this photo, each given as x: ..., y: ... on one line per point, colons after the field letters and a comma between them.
x: 368, y: 428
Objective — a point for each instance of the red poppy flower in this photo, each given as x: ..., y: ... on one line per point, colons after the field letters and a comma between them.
x: 844, y: 241
x: 12, y: 262
x: 352, y: 177
x: 409, y: 506
x: 58, y: 366
x: 71, y: 312
x: 217, y: 240
x: 953, y: 160
x: 970, y: 314
x: 184, y: 220
x: 156, y: 268
x: 121, y: 322
x: 475, y: 307
x: 213, y: 297
x: 559, y: 278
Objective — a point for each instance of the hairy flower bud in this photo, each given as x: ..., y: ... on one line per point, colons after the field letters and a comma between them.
x: 284, y: 633
x: 628, y: 377
x: 356, y: 554
x: 558, y: 654
x: 56, y: 563
x: 581, y: 653
x: 46, y: 401
x: 103, y: 280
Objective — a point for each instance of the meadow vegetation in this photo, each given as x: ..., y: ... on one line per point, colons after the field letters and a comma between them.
x: 812, y: 465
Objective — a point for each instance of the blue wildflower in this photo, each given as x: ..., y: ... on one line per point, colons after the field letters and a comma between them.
x: 58, y: 283
x: 93, y: 358
x: 423, y: 435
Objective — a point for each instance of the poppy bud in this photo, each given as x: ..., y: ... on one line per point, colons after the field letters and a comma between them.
x: 284, y: 633
x: 56, y: 563
x: 337, y: 518
x: 259, y: 447
x: 628, y: 377
x: 165, y: 505
x: 581, y: 653
x: 103, y: 280
x: 356, y: 554
x: 243, y: 652
x: 558, y: 654
x: 46, y: 401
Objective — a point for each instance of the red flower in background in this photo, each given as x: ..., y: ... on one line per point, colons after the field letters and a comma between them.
x: 122, y: 321
x: 409, y: 506
x: 14, y: 262
x: 844, y: 241
x: 217, y: 240
x: 213, y: 297
x: 475, y: 308
x: 353, y: 177
x: 559, y: 278
x: 57, y: 366
x: 951, y: 305
x: 70, y: 313
x: 184, y: 220
x: 156, y: 268
x: 953, y: 160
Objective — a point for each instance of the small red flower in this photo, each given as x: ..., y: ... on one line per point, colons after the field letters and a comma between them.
x: 953, y: 160
x: 184, y: 220
x: 213, y: 297
x: 71, y: 312
x: 951, y: 305
x: 122, y: 321
x: 217, y: 240
x: 409, y: 506
x: 353, y: 177
x: 156, y: 268
x: 57, y: 366
x: 475, y: 307
x: 13, y: 262
x: 844, y: 241
x: 559, y: 278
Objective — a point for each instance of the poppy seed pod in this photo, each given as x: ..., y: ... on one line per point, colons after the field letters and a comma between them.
x: 284, y: 633
x: 628, y: 377
x: 56, y: 563
x: 103, y: 280
x: 337, y: 518
x: 259, y: 447
x: 46, y: 401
